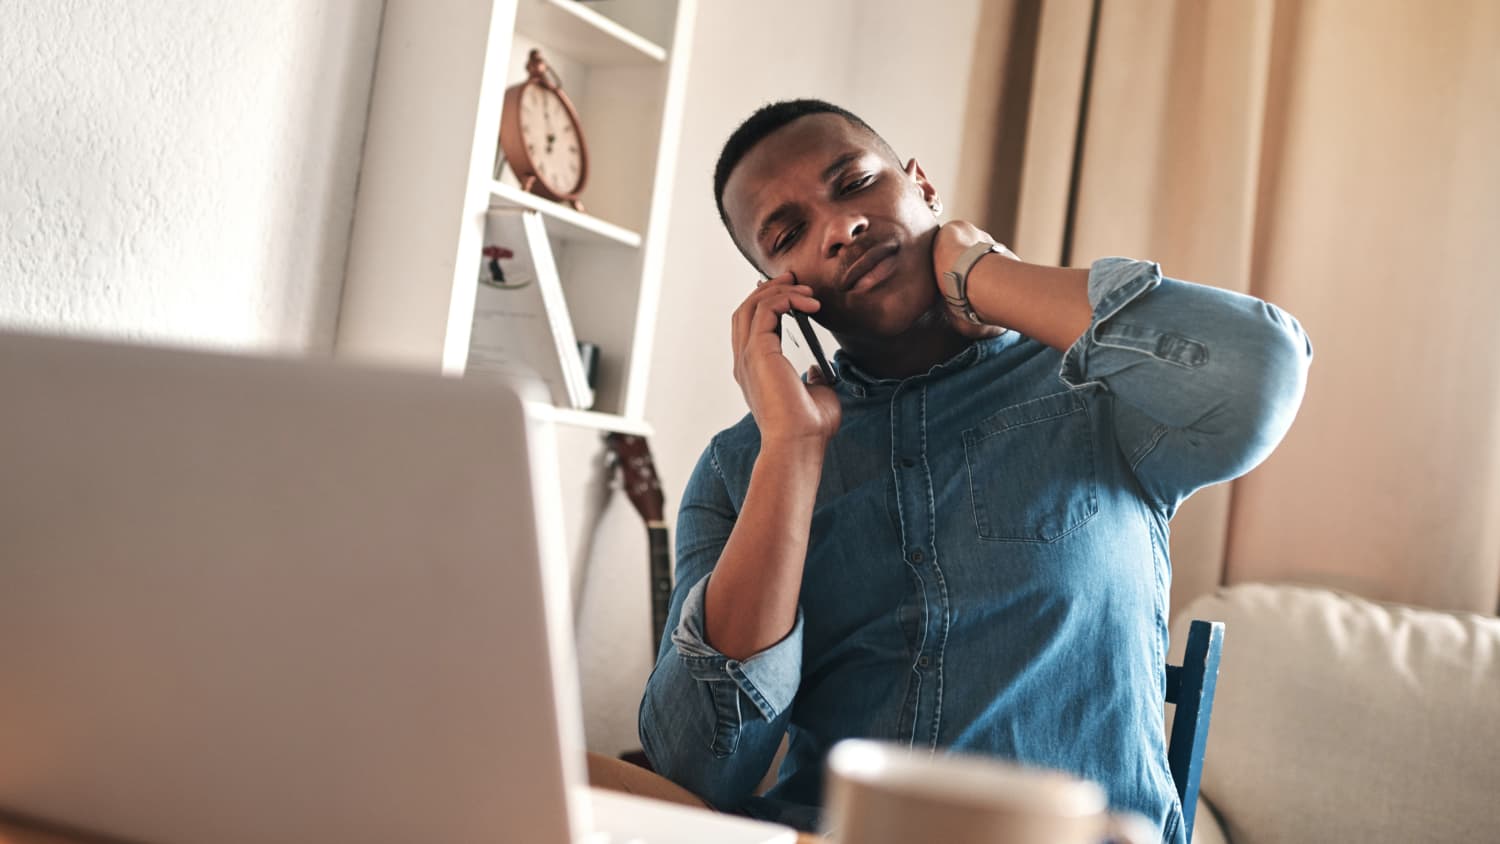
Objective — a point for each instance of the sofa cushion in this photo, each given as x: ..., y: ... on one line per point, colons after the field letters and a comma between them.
x: 1341, y: 719
x: 1207, y: 829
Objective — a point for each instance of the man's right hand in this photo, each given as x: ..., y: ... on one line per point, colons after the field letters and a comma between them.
x: 786, y: 410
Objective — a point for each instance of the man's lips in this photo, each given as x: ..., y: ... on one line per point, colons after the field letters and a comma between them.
x: 874, y: 257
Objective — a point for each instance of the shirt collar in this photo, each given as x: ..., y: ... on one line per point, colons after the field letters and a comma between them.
x: 861, y: 383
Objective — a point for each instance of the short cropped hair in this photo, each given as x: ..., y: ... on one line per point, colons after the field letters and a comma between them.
x: 764, y: 121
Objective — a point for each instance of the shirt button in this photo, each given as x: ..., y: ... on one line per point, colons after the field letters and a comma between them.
x: 916, y: 556
x: 924, y: 662
x: 908, y: 462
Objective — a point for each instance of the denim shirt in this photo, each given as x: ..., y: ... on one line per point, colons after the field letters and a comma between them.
x: 987, y: 566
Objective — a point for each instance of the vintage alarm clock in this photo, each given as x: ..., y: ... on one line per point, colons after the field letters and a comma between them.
x: 540, y: 135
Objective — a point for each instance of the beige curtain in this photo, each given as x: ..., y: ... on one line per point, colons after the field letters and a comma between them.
x: 1340, y: 158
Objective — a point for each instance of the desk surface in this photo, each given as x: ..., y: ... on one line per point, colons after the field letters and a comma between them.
x: 12, y: 832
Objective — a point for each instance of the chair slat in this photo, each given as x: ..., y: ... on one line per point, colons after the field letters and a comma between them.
x: 1191, y: 688
x: 1174, y: 682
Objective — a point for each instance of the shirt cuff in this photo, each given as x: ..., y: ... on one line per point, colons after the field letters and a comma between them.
x: 1113, y: 284
x: 769, y: 679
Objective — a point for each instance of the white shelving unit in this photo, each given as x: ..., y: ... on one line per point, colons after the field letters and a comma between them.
x: 585, y: 34
x: 428, y: 179
x: 563, y: 222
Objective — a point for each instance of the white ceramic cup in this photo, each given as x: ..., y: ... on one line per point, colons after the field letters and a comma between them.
x: 880, y: 793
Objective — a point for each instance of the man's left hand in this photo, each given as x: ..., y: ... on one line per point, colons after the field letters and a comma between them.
x: 952, y: 239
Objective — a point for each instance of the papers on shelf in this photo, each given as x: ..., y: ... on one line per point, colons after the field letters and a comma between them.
x: 522, y: 331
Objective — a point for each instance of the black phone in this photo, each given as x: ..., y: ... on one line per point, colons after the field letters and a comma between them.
x: 829, y: 377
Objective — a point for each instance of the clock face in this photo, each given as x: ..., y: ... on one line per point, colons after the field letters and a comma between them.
x: 551, y: 139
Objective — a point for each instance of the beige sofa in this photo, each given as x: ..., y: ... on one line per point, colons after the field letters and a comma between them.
x: 1341, y: 719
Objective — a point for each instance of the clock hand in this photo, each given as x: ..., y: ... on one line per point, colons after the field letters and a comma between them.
x: 547, y: 121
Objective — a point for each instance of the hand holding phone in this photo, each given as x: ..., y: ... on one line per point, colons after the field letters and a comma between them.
x: 787, y: 406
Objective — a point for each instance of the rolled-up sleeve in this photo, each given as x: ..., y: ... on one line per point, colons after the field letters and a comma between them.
x: 1206, y: 381
x: 767, y: 679
x: 707, y: 722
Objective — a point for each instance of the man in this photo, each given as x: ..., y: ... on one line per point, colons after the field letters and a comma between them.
x: 961, y: 545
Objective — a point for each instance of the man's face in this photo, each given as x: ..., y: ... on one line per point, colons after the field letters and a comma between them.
x: 821, y: 197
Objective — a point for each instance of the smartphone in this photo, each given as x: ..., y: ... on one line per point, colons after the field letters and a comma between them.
x: 817, y: 348
x: 805, y: 324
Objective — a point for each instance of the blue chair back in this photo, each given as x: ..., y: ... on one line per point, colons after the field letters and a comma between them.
x: 1190, y: 687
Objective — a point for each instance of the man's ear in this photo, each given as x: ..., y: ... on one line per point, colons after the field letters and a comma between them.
x: 929, y: 192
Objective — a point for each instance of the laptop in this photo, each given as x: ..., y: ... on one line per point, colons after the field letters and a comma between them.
x: 271, y: 600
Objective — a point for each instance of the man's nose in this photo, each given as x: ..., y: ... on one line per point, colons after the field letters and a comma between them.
x: 841, y: 231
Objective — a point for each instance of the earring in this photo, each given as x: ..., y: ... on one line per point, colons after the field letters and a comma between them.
x: 936, y: 205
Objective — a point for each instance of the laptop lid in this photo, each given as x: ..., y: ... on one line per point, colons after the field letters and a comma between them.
x: 250, y: 600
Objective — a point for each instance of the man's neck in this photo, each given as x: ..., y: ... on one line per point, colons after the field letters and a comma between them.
x: 930, y: 341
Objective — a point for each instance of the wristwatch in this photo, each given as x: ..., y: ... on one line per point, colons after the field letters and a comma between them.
x: 959, y: 277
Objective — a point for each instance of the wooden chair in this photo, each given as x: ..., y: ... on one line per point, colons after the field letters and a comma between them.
x: 1190, y: 687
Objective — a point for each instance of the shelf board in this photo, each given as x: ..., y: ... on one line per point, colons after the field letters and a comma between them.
x: 583, y: 34
x: 609, y: 422
x: 563, y: 221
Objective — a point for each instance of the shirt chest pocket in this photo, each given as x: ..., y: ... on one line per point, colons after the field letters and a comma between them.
x: 1032, y: 473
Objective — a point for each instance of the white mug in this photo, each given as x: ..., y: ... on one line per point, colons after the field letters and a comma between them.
x: 881, y: 793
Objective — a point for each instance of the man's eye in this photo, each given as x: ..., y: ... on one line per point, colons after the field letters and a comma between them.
x: 859, y: 183
x: 786, y: 239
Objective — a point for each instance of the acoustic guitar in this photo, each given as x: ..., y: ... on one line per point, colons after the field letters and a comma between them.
x: 643, y: 488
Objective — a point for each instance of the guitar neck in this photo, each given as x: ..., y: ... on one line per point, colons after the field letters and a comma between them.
x: 661, y: 581
x: 641, y: 485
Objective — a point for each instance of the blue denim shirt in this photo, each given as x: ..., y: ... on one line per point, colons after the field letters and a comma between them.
x: 987, y: 567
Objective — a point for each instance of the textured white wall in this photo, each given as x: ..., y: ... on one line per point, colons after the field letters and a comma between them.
x: 181, y: 171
